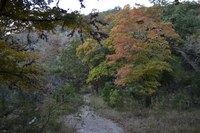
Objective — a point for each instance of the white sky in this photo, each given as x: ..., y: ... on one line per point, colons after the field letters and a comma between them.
x: 101, y: 5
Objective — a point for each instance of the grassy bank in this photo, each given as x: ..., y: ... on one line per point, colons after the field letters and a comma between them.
x: 141, y: 120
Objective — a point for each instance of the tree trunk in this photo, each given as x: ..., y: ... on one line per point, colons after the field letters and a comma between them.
x: 147, y: 101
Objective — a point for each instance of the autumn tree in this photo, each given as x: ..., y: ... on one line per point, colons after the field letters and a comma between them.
x: 93, y: 54
x: 139, y: 38
x: 19, y: 68
x: 20, y: 74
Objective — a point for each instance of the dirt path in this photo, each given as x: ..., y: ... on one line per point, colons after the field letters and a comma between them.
x: 87, y: 121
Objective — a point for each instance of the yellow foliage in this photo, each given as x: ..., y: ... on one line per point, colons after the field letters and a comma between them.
x: 19, y: 68
x: 86, y: 50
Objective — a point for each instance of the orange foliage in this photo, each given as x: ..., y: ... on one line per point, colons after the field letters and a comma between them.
x: 139, y: 38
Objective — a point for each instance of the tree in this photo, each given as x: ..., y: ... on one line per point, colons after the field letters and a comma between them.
x: 94, y: 55
x: 27, y: 13
x: 18, y: 15
x: 90, y: 52
x: 19, y: 69
x: 159, y: 2
x: 141, y: 48
x: 184, y: 17
x: 70, y: 68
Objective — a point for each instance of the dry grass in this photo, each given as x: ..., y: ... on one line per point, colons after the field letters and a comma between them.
x: 140, y: 120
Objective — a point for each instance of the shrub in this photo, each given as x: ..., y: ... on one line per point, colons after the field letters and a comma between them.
x: 115, y: 98
x: 111, y: 95
x: 181, y: 101
x: 105, y: 93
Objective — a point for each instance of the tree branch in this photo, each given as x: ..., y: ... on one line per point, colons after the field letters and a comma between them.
x: 23, y: 19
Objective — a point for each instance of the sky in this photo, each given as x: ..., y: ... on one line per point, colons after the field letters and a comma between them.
x: 101, y: 5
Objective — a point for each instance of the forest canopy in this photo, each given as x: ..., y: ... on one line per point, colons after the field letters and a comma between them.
x: 131, y: 62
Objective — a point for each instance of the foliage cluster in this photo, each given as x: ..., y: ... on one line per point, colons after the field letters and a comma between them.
x: 19, y: 68
x: 143, y: 57
x: 184, y: 17
x: 134, y: 56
